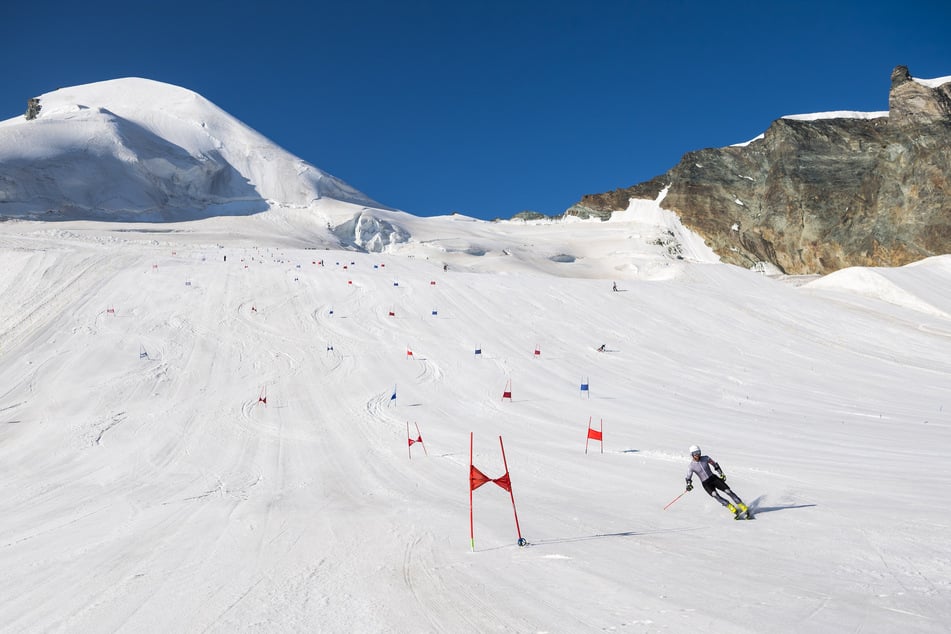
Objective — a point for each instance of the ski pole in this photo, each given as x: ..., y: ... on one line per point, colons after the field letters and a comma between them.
x: 674, y: 500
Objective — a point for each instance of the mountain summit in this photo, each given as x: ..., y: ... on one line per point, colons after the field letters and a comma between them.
x: 823, y: 191
x: 140, y: 150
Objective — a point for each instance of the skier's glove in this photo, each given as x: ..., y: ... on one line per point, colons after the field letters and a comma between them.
x: 723, y: 476
x: 690, y: 486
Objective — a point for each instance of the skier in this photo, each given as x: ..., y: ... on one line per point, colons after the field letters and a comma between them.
x: 601, y: 348
x: 704, y: 466
x: 614, y: 287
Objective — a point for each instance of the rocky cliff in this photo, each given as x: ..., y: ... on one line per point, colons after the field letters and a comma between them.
x: 813, y: 194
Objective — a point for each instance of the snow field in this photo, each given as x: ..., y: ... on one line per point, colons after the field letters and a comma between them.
x: 160, y: 493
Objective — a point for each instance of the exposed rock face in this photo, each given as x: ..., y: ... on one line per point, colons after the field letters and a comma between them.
x: 603, y: 205
x: 912, y: 103
x: 33, y: 108
x: 814, y: 196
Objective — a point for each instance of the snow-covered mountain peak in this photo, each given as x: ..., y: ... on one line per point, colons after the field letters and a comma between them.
x: 137, y: 149
x: 127, y: 95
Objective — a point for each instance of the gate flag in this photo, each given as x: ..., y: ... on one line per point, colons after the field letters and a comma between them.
x: 594, y: 434
x: 410, y: 440
x: 477, y: 479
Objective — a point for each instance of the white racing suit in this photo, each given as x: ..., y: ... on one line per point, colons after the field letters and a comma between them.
x: 704, y: 468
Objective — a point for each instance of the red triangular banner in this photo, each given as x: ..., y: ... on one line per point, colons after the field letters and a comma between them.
x: 412, y: 440
x: 477, y: 478
x: 504, y: 482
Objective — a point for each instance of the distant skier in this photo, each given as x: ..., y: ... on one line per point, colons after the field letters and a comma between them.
x: 601, y: 348
x: 614, y: 287
x: 704, y: 466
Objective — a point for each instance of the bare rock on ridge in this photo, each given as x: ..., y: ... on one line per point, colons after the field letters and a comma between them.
x: 815, y: 195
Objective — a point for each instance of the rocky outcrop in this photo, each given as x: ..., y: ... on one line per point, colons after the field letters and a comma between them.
x: 33, y: 108
x: 603, y: 205
x: 820, y: 194
x: 912, y: 103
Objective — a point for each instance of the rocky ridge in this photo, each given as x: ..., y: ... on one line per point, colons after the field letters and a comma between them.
x: 814, y: 195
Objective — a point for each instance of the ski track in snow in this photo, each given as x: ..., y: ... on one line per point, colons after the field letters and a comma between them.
x: 159, y: 492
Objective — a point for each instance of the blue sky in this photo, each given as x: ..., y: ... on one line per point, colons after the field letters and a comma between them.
x: 487, y: 108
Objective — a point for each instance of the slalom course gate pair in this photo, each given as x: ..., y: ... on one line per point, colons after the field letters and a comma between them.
x: 594, y: 434
x: 411, y: 441
x: 477, y: 479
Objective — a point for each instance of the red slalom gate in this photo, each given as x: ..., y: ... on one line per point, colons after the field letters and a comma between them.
x: 477, y: 479
x: 410, y: 440
x: 594, y: 434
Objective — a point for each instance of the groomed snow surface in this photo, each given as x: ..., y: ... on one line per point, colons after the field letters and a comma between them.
x: 147, y: 486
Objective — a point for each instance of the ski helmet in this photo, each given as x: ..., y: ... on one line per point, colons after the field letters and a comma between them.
x: 694, y: 450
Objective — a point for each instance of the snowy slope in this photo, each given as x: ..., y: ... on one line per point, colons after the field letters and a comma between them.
x: 148, y: 487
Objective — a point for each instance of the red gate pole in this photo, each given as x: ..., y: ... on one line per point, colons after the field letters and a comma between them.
x: 420, y: 436
x: 471, y: 529
x: 409, y: 444
x: 587, y: 436
x: 521, y: 542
